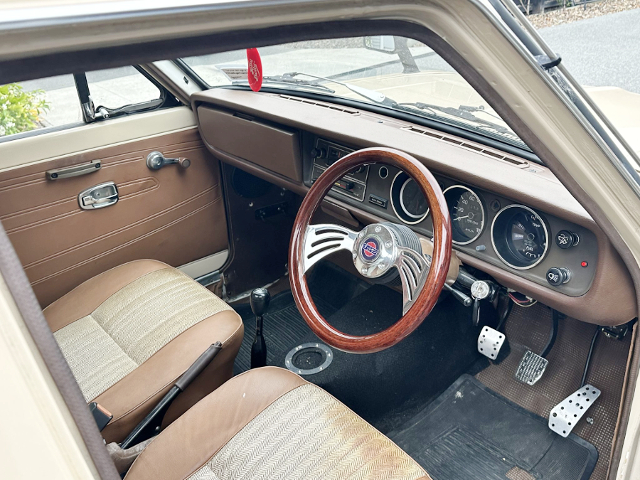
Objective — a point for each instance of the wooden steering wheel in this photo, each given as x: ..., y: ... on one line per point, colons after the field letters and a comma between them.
x: 376, y: 250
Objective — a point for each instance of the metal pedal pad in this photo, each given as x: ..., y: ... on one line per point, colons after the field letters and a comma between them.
x: 567, y: 413
x: 490, y: 342
x: 531, y: 368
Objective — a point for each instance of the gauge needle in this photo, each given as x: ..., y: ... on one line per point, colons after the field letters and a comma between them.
x: 460, y: 218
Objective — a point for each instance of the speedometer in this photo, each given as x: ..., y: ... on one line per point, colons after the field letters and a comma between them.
x: 519, y: 236
x: 467, y: 214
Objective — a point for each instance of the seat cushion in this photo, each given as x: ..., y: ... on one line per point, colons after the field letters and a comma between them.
x: 129, y: 333
x: 269, y: 423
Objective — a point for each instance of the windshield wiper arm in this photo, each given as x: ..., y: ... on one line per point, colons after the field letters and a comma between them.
x: 372, y: 95
x: 463, y: 111
x: 287, y: 80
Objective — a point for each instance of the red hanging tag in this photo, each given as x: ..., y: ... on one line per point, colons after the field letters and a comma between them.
x: 255, y: 69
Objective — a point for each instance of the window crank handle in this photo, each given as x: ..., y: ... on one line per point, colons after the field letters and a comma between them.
x: 156, y: 160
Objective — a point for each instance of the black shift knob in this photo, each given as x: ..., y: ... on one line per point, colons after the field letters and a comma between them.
x: 260, y: 299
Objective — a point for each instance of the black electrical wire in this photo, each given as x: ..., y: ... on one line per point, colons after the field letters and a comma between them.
x: 586, y: 366
x: 553, y: 335
x: 505, y: 313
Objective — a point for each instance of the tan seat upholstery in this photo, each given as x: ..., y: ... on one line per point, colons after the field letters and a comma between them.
x: 270, y: 424
x: 130, y: 332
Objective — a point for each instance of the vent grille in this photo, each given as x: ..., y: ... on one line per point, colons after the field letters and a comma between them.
x: 328, y: 106
x: 471, y: 146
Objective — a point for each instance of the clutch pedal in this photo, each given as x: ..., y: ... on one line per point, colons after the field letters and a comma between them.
x: 490, y: 342
x: 567, y: 413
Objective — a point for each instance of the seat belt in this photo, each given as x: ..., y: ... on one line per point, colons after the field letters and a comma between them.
x: 148, y: 425
x: 101, y: 415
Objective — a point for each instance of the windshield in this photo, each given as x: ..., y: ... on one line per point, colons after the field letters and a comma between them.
x: 391, y: 72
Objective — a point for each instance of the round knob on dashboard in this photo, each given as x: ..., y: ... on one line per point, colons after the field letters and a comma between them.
x: 567, y: 239
x: 556, y: 276
x: 318, y: 153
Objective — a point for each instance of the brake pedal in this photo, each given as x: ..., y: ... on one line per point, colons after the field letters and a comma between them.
x: 531, y: 368
x: 567, y: 413
x: 490, y: 342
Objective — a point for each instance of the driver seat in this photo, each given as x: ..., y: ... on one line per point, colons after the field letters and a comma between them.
x: 269, y: 423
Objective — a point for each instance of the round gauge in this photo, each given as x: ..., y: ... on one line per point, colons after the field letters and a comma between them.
x: 467, y: 214
x: 407, y: 200
x: 519, y: 236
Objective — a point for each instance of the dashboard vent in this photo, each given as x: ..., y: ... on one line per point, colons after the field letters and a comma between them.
x: 328, y: 106
x: 513, y: 160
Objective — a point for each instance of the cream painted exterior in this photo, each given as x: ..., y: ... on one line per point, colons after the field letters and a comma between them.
x: 33, y: 415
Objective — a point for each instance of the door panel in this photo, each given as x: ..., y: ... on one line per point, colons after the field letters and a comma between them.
x: 175, y: 215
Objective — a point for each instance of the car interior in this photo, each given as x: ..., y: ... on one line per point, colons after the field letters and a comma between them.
x: 364, y: 273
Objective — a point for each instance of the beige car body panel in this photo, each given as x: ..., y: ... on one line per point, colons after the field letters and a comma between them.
x: 467, y: 26
x: 38, y: 438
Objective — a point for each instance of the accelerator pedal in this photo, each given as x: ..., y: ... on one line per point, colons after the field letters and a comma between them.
x: 567, y: 413
x: 490, y: 342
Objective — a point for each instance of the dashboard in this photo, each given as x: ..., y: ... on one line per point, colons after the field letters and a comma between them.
x: 541, y: 247
x: 512, y: 219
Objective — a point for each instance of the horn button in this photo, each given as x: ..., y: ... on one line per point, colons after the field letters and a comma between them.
x: 374, y: 251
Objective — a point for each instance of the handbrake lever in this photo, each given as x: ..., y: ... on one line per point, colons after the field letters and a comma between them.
x: 182, y: 383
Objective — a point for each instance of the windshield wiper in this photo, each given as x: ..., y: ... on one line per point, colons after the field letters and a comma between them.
x: 288, y: 80
x: 463, y: 111
x: 372, y: 95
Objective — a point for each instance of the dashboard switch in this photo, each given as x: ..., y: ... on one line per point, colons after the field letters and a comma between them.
x: 566, y: 239
x: 379, y: 201
x: 556, y: 276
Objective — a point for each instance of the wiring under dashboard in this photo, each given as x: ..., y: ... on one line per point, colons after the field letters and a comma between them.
x: 520, y: 299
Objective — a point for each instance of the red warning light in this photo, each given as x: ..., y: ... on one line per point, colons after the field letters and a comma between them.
x: 584, y: 264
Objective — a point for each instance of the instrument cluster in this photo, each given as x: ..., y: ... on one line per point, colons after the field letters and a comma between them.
x: 519, y: 235
x: 485, y: 225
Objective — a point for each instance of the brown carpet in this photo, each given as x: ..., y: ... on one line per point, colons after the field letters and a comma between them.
x: 528, y: 328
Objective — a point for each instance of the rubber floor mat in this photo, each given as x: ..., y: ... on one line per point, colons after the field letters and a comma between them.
x: 283, y: 328
x: 385, y: 388
x: 469, y: 431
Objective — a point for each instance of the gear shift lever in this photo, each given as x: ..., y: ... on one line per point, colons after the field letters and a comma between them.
x: 260, y: 299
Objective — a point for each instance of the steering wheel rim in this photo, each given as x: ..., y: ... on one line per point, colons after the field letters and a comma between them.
x: 435, y: 279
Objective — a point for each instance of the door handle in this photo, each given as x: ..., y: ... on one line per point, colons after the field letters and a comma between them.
x: 98, y: 196
x: 74, y: 170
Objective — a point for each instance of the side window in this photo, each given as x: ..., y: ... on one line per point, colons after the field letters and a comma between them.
x: 119, y: 87
x: 35, y: 104
x: 70, y: 100
x: 118, y: 91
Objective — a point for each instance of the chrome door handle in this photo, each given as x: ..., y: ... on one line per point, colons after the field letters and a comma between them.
x: 98, y: 196
x: 156, y: 160
x: 74, y: 170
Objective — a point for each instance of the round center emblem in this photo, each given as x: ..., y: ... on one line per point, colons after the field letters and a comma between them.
x: 370, y: 249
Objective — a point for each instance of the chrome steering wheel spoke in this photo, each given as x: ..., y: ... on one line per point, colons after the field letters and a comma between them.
x: 413, y: 269
x: 324, y: 239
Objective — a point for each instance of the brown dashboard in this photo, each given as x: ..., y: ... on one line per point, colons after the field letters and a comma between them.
x: 511, y: 218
